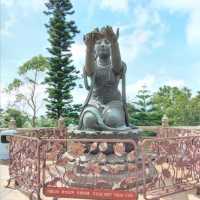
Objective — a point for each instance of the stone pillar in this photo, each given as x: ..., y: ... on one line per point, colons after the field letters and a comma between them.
x: 61, y: 122
x: 165, y: 121
x: 12, y: 124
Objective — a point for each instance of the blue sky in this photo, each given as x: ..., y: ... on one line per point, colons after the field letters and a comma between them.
x: 159, y: 39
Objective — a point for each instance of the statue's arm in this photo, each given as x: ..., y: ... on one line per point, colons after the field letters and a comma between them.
x: 89, y: 61
x: 116, y: 57
x: 115, y: 51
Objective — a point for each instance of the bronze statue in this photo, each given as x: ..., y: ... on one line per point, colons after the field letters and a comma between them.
x: 105, y: 107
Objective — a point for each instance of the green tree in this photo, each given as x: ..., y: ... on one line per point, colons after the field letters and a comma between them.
x: 18, y: 116
x: 175, y: 103
x: 43, y: 121
x: 31, y: 75
x: 143, y: 111
x: 62, y: 74
x: 13, y: 87
x: 194, y: 108
x: 1, y: 117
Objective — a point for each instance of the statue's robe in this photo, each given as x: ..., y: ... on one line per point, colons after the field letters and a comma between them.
x: 104, y: 106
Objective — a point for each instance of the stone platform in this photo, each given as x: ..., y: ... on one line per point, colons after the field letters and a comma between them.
x: 109, y: 163
x: 126, y: 134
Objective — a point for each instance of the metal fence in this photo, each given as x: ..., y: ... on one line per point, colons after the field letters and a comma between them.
x: 177, y: 132
x: 80, y: 168
x: 177, y: 164
x: 26, y: 160
x: 24, y: 167
x: 103, y: 168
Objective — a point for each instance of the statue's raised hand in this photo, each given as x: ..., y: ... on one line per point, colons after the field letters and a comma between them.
x: 91, y: 38
x: 110, y: 35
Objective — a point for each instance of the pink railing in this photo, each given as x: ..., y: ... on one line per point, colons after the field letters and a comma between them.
x: 176, y: 162
x: 88, y: 168
x: 103, y: 168
x: 177, y: 132
x: 26, y: 160
x: 24, y: 167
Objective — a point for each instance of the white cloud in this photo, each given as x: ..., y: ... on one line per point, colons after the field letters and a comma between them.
x: 6, y: 26
x: 9, y: 99
x: 147, y: 32
x: 133, y: 88
x: 152, y: 83
x: 146, y: 17
x: 193, y: 29
x: 133, y: 44
x: 23, y: 6
x: 36, y: 5
x: 189, y: 7
x: 115, y: 5
x: 177, y: 5
x: 175, y: 83
x: 79, y: 95
x: 40, y: 95
x: 3, y: 97
x: 78, y: 54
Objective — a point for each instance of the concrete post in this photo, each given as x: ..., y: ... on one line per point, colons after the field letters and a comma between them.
x: 61, y: 122
x: 165, y: 121
x: 12, y: 124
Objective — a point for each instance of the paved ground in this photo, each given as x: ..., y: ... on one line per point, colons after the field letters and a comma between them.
x: 9, y: 194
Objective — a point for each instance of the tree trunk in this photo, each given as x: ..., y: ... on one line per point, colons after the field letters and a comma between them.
x: 34, y: 121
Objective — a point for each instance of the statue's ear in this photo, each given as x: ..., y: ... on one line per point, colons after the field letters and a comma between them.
x: 117, y: 33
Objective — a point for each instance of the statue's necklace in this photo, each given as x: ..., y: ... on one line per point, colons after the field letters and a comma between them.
x: 102, y: 65
x: 106, y: 69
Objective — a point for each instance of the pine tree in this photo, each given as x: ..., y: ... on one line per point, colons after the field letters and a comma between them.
x: 144, y: 113
x: 62, y: 75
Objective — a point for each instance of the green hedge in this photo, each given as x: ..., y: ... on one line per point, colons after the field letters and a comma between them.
x: 149, y: 134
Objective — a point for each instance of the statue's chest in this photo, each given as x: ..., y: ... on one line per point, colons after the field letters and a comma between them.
x: 105, y: 77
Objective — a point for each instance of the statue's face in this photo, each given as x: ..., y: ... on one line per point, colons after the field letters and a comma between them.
x: 102, y: 48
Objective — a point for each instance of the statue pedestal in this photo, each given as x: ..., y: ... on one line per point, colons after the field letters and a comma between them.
x: 109, y: 160
x: 132, y: 134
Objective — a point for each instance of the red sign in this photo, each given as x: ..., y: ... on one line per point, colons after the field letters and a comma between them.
x: 104, y: 194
